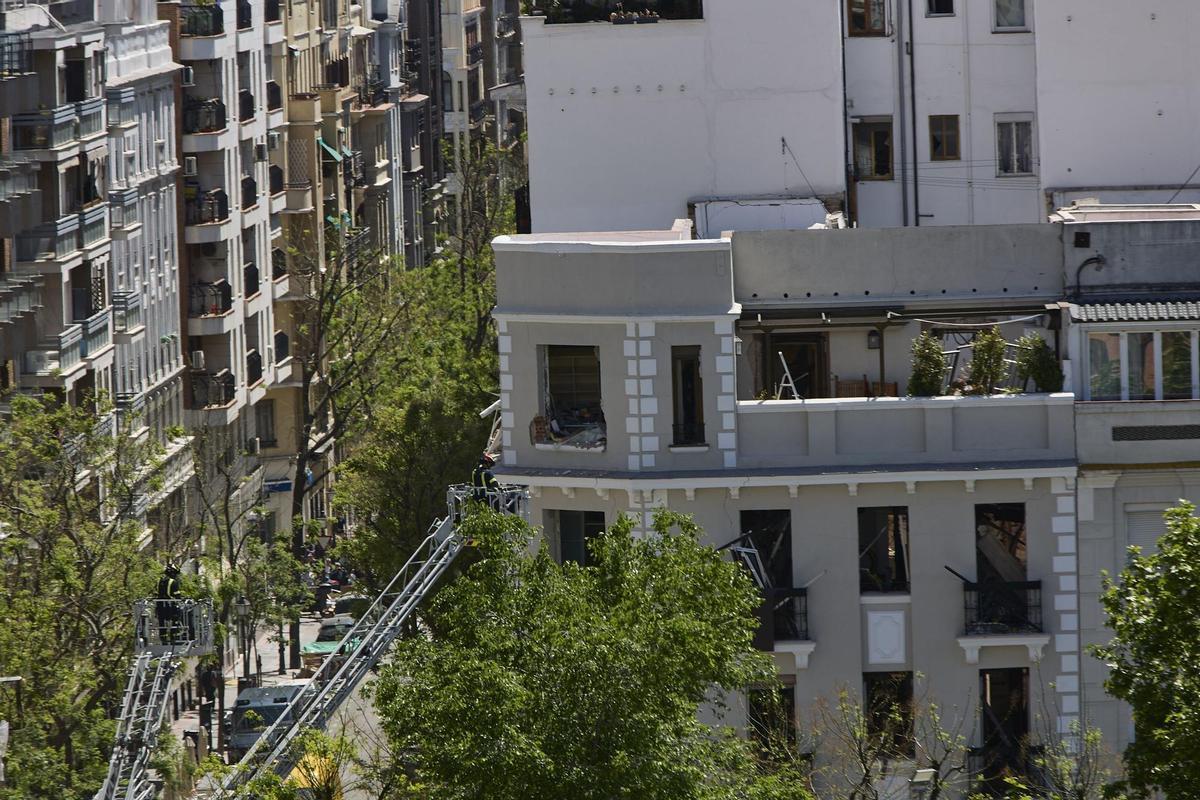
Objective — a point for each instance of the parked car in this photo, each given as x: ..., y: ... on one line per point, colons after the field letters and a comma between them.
x: 351, y: 605
x: 329, y: 638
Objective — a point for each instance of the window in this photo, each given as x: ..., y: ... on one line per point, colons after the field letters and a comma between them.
x: 771, y: 717
x: 883, y: 549
x: 1010, y: 16
x: 687, y: 396
x: 264, y: 416
x: 1004, y: 723
x: 888, y: 709
x: 1104, y: 366
x: 771, y: 533
x: 940, y: 8
x: 1014, y: 146
x: 1141, y: 366
x: 575, y: 530
x: 570, y: 397
x: 806, y: 355
x: 1000, y: 543
x: 943, y: 137
x: 1177, y: 365
x: 866, y: 17
x: 873, y: 150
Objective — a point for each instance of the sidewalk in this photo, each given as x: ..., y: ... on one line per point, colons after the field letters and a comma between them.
x: 268, y: 649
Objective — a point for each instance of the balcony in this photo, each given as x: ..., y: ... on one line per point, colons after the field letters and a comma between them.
x: 97, y: 334
x: 1003, y: 607
x: 93, y: 225
x: 210, y: 299
x: 56, y: 359
x: 131, y: 411
x: 201, y: 20
x: 90, y: 114
x: 355, y: 244
x: 274, y: 96
x: 213, y: 389
x: 249, y: 193
x: 204, y: 116
x: 51, y: 242
x: 783, y: 624
x: 254, y: 367
x: 353, y: 170
x: 19, y: 295
x: 20, y: 195
x: 207, y: 207
x: 474, y: 53
x: 245, y: 15
x: 570, y: 11
x: 245, y: 105
x: 275, y: 179
x: 250, y: 281
x: 45, y: 130
x: 906, y: 431
x: 127, y: 315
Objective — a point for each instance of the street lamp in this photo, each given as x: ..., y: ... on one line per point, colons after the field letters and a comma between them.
x: 282, y: 644
x: 242, y: 609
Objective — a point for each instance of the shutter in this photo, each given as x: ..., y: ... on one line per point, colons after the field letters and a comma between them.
x: 1142, y: 528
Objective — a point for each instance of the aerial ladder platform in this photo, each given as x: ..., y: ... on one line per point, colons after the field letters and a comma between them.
x: 165, y: 632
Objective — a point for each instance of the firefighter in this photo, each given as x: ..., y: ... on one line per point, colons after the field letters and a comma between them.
x: 484, y: 482
x: 167, y: 608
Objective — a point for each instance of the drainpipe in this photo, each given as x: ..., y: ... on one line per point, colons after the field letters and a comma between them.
x: 847, y: 164
x: 912, y: 85
x: 901, y: 128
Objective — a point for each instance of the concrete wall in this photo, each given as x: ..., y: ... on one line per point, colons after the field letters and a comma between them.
x: 1138, y: 255
x: 1117, y: 99
x: 627, y: 123
x: 866, y: 267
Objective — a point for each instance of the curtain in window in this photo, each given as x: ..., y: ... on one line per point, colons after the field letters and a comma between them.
x: 1104, y: 365
x: 1010, y: 13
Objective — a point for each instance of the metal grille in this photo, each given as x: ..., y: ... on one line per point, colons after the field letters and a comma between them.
x: 298, y: 162
x: 1151, y: 433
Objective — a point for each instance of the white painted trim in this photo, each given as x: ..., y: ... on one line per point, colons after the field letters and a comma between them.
x: 897, y: 599
x: 783, y: 480
x: 1033, y: 642
x: 856, y: 403
x: 801, y: 650
x: 518, y: 244
x: 690, y: 448
x: 499, y: 315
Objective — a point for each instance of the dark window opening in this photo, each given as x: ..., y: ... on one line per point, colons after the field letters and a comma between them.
x: 687, y: 396
x: 939, y: 8
x: 866, y: 17
x: 1004, y: 724
x: 264, y: 416
x: 883, y: 549
x: 889, y: 710
x: 873, y: 151
x: 943, y: 137
x: 771, y: 718
x: 570, y: 403
x: 1000, y: 554
x: 575, y: 530
x: 807, y: 360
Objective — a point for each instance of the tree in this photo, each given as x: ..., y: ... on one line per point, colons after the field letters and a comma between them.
x: 1036, y: 362
x: 928, y: 366
x: 549, y: 681
x: 1152, y: 666
x: 71, y: 566
x: 987, y: 361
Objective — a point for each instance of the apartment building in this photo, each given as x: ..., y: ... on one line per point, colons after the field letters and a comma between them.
x: 897, y: 112
x: 941, y: 547
x: 464, y: 84
x: 423, y: 104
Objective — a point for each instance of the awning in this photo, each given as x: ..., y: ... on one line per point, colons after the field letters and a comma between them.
x: 1134, y: 311
x: 333, y: 153
x: 347, y: 152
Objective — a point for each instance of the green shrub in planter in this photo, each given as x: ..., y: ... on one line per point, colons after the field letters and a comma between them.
x: 928, y: 366
x: 987, y: 362
x: 1036, y: 362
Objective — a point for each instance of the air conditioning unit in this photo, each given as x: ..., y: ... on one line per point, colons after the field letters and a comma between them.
x: 197, y: 359
x: 189, y: 76
x: 274, y: 139
x: 260, y: 152
x: 189, y: 166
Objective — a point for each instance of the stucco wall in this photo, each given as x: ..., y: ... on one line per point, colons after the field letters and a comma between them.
x: 629, y: 122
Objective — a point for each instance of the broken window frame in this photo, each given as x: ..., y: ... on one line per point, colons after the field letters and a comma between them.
x: 865, y: 133
x: 563, y: 425
x: 883, y: 691
x: 873, y: 14
x: 944, y: 132
x: 897, y: 579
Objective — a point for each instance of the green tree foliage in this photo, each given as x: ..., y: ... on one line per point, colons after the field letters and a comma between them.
x: 987, y: 362
x: 1036, y: 362
x: 550, y: 681
x: 928, y: 366
x: 1151, y: 610
x: 425, y: 431
x: 71, y: 565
